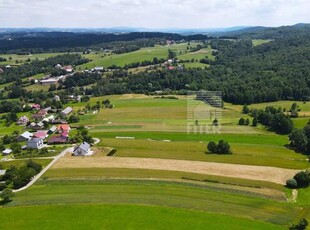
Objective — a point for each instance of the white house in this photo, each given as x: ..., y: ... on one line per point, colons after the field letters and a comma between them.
x: 66, y: 111
x: 24, y: 137
x: 82, y: 150
x: 35, y: 143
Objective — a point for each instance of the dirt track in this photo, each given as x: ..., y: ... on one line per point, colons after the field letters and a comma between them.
x: 262, y: 173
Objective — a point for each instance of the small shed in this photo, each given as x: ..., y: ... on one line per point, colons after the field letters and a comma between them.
x: 2, y: 172
x: 6, y: 152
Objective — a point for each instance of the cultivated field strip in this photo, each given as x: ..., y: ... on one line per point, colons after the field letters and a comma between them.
x: 261, y: 173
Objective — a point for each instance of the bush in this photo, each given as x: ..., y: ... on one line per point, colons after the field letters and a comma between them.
x: 6, y: 195
x: 303, y: 223
x: 212, y: 146
x: 2, y: 186
x: 291, y: 183
x: 221, y: 148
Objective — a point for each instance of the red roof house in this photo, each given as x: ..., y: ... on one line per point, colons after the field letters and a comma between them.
x: 41, y: 134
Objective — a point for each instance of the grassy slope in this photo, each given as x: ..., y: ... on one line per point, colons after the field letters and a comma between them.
x: 120, y: 217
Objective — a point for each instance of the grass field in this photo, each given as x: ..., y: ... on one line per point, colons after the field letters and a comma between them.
x: 168, y: 194
x: 106, y: 60
x: 22, y: 58
x: 121, y: 217
x: 151, y: 121
x: 257, y: 42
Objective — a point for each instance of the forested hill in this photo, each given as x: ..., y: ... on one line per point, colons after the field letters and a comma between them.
x: 61, y: 40
x: 259, y: 32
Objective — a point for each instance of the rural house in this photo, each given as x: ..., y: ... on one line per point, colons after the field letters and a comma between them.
x: 40, y: 114
x: 82, y: 150
x: 24, y: 137
x: 35, y: 143
x: 63, y: 128
x: 66, y: 111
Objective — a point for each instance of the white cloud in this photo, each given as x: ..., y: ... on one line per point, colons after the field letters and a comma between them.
x: 152, y: 13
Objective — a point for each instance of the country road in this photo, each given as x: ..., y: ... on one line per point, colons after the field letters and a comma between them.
x: 55, y: 159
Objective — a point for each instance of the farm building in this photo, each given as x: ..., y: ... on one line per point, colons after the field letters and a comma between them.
x: 49, y: 81
x: 35, y: 143
x: 23, y: 120
x: 24, y: 137
x: 66, y: 111
x: 82, y: 150
x: 6, y: 152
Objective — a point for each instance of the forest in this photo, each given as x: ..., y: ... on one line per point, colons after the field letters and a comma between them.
x: 246, y: 74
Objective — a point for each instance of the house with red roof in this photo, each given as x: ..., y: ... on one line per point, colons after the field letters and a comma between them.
x: 57, y: 140
x: 41, y: 134
x: 63, y: 128
x: 36, y: 106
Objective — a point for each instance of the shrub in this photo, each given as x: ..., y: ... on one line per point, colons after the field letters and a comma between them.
x: 221, y: 148
x: 291, y: 183
x: 303, y: 179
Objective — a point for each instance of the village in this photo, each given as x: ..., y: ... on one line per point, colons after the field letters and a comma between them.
x: 45, y: 128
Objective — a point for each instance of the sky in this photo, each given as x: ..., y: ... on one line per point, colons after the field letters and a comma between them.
x: 152, y: 13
